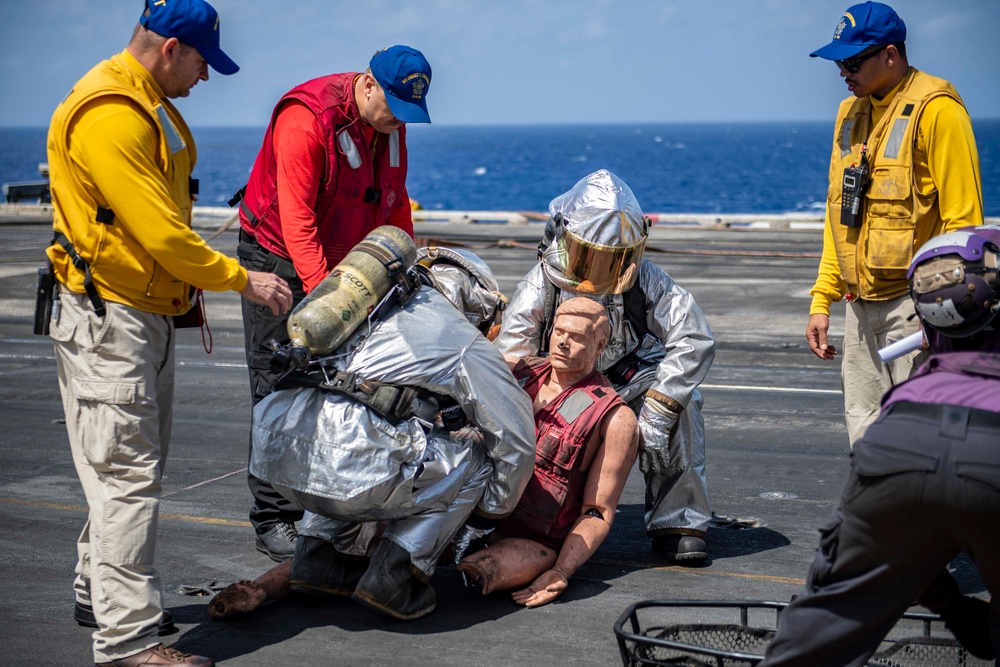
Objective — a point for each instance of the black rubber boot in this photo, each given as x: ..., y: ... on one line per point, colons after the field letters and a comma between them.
x: 393, y: 586
x: 319, y: 570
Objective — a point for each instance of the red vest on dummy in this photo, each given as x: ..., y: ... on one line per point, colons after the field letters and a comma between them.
x: 343, y: 217
x: 554, y: 496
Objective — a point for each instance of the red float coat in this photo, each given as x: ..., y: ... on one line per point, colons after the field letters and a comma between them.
x: 553, y: 498
x: 356, y: 189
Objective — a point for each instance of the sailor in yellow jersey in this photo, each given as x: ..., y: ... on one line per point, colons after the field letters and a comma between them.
x: 904, y: 168
x: 126, y: 259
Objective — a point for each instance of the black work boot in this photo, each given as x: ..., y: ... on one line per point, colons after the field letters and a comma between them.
x: 967, y: 618
x: 684, y: 549
x: 319, y: 570
x: 277, y: 541
x: 393, y: 586
x: 83, y: 613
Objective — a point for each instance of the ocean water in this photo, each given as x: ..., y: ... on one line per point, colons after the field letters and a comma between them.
x: 675, y: 168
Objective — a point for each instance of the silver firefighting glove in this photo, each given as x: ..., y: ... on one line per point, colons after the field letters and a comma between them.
x: 656, y: 421
x: 476, y: 529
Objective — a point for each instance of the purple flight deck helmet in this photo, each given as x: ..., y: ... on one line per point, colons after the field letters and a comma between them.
x: 954, y: 282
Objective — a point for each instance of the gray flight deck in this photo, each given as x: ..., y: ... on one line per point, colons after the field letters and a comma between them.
x: 776, y: 448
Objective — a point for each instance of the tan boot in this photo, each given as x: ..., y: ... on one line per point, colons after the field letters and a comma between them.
x: 159, y: 656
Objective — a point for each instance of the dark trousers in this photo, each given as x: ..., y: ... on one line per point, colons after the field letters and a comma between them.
x: 260, y: 326
x: 924, y: 486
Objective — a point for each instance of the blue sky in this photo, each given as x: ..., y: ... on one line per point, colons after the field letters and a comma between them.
x: 515, y: 61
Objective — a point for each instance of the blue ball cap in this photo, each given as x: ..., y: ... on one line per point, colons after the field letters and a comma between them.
x: 193, y: 22
x: 405, y: 76
x: 861, y: 26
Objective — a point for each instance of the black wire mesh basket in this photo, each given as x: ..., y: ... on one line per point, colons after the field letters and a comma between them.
x: 735, y: 633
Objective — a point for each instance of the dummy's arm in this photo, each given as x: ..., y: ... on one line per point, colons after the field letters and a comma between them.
x: 608, y: 472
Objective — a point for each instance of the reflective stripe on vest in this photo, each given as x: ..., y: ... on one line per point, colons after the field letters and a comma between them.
x: 174, y: 139
x: 845, y: 137
x: 895, y: 140
x: 394, y: 149
x: 349, y: 150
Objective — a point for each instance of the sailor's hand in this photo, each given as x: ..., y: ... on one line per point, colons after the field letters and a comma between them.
x: 268, y: 290
x: 816, y: 330
x: 546, y: 588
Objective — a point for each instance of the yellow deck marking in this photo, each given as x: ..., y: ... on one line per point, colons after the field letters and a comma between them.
x: 163, y: 515
x: 630, y: 564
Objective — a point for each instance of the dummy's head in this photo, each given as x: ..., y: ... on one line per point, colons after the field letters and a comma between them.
x: 954, y: 282
x: 595, y: 237
x: 466, y: 280
x: 580, y: 332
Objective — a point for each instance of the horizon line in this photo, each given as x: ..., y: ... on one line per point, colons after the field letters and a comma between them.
x: 542, y: 124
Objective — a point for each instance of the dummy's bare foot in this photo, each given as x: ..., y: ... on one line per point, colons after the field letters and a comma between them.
x: 244, y: 597
x: 239, y: 598
x: 508, y: 563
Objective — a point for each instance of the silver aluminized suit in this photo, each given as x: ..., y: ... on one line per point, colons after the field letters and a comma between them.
x: 676, y: 356
x: 346, y: 465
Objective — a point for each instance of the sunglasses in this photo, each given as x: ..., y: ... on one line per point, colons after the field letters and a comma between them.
x: 852, y: 65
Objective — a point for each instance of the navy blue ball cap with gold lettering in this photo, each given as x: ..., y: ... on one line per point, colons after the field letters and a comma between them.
x: 192, y: 22
x: 861, y: 26
x: 405, y: 76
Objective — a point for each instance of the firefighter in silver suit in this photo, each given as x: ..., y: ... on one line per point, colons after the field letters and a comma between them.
x: 386, y: 484
x: 661, y: 346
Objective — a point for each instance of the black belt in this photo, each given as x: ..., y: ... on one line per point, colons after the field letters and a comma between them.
x: 938, y: 411
x: 248, y: 243
x: 247, y: 238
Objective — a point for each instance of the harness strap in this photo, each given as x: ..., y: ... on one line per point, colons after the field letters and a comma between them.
x: 549, y: 305
x: 393, y: 402
x: 81, y: 265
x: 105, y: 216
x: 634, y: 301
x: 238, y: 198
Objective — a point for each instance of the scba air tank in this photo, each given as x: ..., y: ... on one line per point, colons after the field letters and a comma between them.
x: 345, y: 298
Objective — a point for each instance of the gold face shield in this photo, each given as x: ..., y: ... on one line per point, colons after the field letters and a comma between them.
x: 592, y: 268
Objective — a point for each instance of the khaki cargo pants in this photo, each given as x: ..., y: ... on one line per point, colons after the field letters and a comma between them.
x: 116, y: 376
x: 869, y: 326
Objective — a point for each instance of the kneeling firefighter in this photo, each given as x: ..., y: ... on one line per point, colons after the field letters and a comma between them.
x: 355, y: 436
